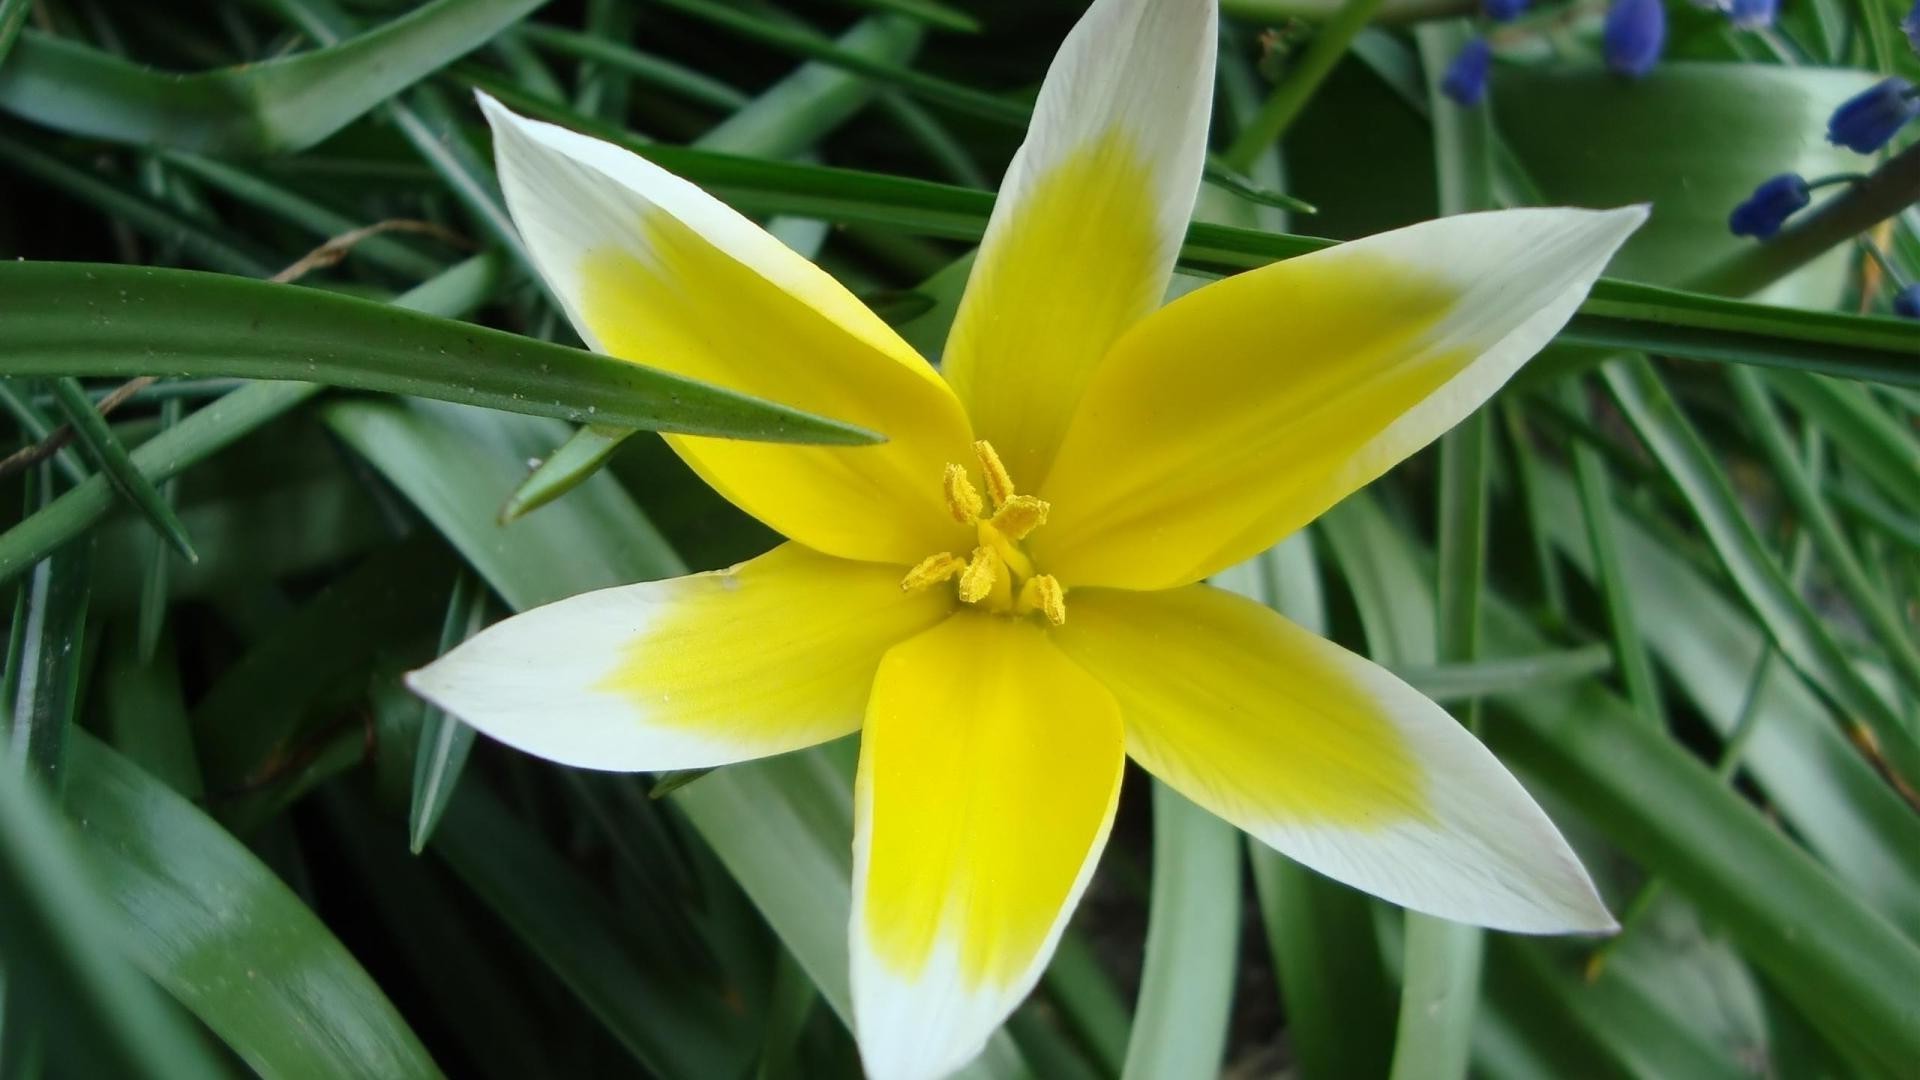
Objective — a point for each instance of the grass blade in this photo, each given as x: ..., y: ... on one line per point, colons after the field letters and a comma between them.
x: 584, y: 452
x: 444, y: 740
x: 91, y: 431
x: 140, y: 320
x: 205, y: 919
x: 273, y: 107
x: 45, y: 662
x: 100, y: 1017
x: 1193, y: 932
x: 1798, y: 632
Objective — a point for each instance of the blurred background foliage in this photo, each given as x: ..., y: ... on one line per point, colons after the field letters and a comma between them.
x: 1676, y: 585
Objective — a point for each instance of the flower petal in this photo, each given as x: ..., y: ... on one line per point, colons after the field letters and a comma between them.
x: 1327, y: 757
x: 652, y: 269
x: 1240, y: 412
x: 989, y: 769
x: 772, y: 655
x: 1089, y: 220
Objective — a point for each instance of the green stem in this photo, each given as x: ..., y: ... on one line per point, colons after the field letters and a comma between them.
x: 1888, y: 190
x: 1293, y: 93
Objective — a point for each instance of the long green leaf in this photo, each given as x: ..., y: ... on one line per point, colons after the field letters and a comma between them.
x: 678, y: 1028
x: 209, y: 922
x: 62, y: 946
x: 1193, y: 935
x: 1836, y: 552
x: 1803, y: 639
x: 1617, y: 314
x: 79, y: 318
x: 90, y: 429
x: 1654, y: 800
x: 45, y: 665
x: 444, y: 740
x: 274, y: 107
x: 455, y: 292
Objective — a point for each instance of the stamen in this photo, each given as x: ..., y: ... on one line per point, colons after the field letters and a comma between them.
x: 1043, y: 593
x: 933, y: 570
x: 982, y: 571
x: 963, y: 502
x: 1020, y: 515
x: 999, y: 484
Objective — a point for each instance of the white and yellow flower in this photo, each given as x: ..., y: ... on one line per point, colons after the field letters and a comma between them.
x: 1006, y: 598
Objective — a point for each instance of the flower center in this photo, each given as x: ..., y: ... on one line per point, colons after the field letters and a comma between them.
x: 998, y: 576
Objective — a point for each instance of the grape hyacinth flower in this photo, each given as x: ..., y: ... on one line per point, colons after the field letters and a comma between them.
x: 1866, y: 121
x: 1770, y: 205
x: 1634, y: 36
x: 1466, y: 78
x: 1906, y: 302
x: 1503, y: 10
x: 1752, y: 14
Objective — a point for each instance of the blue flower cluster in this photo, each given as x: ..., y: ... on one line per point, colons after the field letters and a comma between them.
x: 1631, y: 40
x: 1770, y: 205
x: 1869, y: 120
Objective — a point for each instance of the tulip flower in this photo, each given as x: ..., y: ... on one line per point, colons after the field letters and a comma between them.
x: 1007, y: 599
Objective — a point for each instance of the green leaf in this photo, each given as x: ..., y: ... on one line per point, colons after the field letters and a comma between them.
x: 1653, y: 799
x: 91, y: 431
x: 1812, y: 775
x: 206, y: 920
x: 444, y: 740
x: 1693, y: 139
x: 1836, y: 551
x: 1617, y: 314
x: 1448, y: 683
x: 276, y: 106
x: 44, y: 661
x: 1597, y: 510
x: 1801, y: 636
x: 677, y: 1027
x: 80, y: 318
x: 1193, y: 936
x: 101, y: 1018
x: 204, y: 433
x: 582, y: 455
x: 1862, y: 429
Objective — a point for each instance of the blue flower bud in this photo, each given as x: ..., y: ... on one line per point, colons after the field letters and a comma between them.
x: 1466, y: 78
x: 1503, y: 10
x: 1635, y: 34
x: 1911, y: 26
x: 1770, y: 205
x: 1864, y: 122
x: 1906, y: 302
x: 1752, y: 14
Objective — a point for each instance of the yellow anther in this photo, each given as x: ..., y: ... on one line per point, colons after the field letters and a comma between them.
x: 933, y: 570
x: 1020, y: 515
x: 1043, y: 594
x: 963, y: 502
x: 983, y: 572
x: 999, y: 484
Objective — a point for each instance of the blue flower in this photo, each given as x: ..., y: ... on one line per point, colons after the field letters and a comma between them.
x: 1503, y: 10
x: 1466, y: 78
x: 1906, y: 302
x: 1634, y: 36
x: 1752, y: 14
x: 1770, y: 205
x: 1864, y: 122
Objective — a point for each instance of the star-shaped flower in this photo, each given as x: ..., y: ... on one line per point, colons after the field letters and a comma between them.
x: 1006, y: 598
